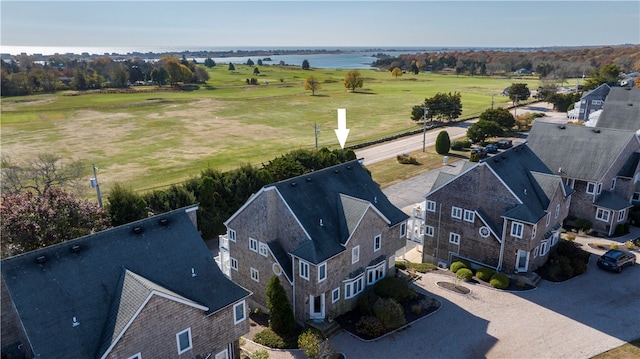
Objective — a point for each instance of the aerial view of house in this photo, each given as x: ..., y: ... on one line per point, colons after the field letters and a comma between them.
x: 600, y: 164
x: 621, y: 109
x: 148, y: 289
x: 327, y: 235
x: 504, y: 212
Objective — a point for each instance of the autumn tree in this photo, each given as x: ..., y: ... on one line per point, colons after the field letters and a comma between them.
x: 120, y: 76
x: 30, y: 221
x: 396, y: 72
x: 178, y: 72
x: 606, y: 74
x: 40, y: 174
x: 311, y: 83
x: 353, y: 79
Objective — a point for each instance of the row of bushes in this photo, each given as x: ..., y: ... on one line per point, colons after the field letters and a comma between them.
x: 463, y: 271
x: 418, y: 267
x: 565, y: 261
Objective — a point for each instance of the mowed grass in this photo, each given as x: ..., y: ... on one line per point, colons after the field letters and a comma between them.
x: 152, y: 139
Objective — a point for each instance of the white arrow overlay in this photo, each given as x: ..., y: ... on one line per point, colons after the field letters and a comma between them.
x: 342, y: 131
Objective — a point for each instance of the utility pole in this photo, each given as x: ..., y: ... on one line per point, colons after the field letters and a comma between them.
x: 96, y: 185
x: 515, y: 108
x: 317, y: 132
x: 492, y: 101
x: 424, y: 129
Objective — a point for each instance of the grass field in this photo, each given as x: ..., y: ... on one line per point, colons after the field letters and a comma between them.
x: 152, y: 139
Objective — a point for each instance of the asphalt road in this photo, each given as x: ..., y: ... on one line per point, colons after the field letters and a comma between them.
x: 414, y: 143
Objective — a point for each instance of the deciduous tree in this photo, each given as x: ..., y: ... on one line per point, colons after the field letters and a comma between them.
x: 311, y: 83
x: 519, y: 92
x: 481, y: 130
x: 396, y: 72
x: 41, y: 174
x: 500, y: 115
x: 30, y: 221
x: 353, y: 79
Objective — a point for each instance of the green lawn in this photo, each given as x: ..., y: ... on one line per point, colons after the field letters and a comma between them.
x: 152, y: 139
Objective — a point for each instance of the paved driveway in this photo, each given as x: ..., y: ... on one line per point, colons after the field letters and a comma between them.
x: 578, y: 318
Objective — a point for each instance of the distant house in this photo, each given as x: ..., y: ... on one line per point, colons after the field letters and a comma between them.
x: 328, y: 235
x: 148, y: 289
x: 590, y: 101
x: 621, y: 109
x: 504, y: 212
x: 600, y: 164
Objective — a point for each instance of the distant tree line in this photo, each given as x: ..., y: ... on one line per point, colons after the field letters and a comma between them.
x: 25, y: 76
x: 557, y: 64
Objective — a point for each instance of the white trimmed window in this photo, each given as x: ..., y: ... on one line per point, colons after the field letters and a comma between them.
x: 456, y: 212
x: 239, y: 314
x: 603, y: 215
x: 428, y: 230
x: 264, y: 249
x: 253, y: 244
x: 355, y: 254
x: 431, y: 206
x: 304, y: 270
x: 335, y: 295
x: 621, y: 215
x: 376, y: 273
x: 454, y: 238
x: 183, y: 340
x: 548, y: 219
x: 223, y: 354
x: 136, y: 356
x: 544, y: 247
x: 322, y: 272
x: 469, y: 216
x: 255, y: 275
x: 635, y: 197
x: 403, y: 229
x: 234, y: 263
x: 613, y: 184
x: 536, y: 251
x: 354, y: 286
x: 516, y: 229
x: 591, y: 187
x: 377, y: 243
x: 231, y: 234
x: 557, y: 210
x: 533, y: 231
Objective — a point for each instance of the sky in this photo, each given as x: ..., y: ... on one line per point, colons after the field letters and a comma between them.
x: 318, y: 23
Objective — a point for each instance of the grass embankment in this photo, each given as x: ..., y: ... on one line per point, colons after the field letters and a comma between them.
x: 147, y: 140
x: 626, y: 351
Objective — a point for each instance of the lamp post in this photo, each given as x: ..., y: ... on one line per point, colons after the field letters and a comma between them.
x: 96, y: 185
x: 424, y: 129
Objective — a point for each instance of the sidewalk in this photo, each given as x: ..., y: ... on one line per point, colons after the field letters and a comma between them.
x: 584, y: 240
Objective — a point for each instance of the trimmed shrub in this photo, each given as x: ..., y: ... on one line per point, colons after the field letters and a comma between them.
x: 459, y: 145
x: 465, y: 274
x: 570, y: 237
x: 484, y: 274
x: 500, y: 281
x: 423, y: 267
x: 407, y: 160
x: 401, y: 265
x: 366, y: 302
x: 370, y: 326
x: 309, y: 341
x: 455, y: 266
x: 389, y: 312
x: 583, y: 224
x: 270, y: 339
x: 443, y: 143
x: 395, y: 288
x: 260, y: 354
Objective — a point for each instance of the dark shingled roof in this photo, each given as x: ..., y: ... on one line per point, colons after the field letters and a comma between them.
x: 528, y: 178
x: 621, y: 109
x: 612, y: 201
x: 628, y: 169
x: 101, y: 282
x: 583, y: 153
x: 329, y: 202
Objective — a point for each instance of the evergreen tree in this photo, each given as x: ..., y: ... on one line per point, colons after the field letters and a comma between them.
x: 281, y: 318
x: 443, y: 143
x: 125, y: 206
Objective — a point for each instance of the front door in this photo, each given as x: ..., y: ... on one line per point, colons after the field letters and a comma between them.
x: 522, y: 262
x: 316, y: 309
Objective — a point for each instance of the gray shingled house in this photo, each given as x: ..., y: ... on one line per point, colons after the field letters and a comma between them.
x: 327, y: 235
x: 592, y: 101
x: 504, y: 212
x: 148, y: 289
x: 621, y: 109
x: 600, y: 164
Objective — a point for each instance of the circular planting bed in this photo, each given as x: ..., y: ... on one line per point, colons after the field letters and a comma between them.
x: 454, y: 287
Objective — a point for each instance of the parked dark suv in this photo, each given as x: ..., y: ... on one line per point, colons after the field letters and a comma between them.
x: 504, y: 144
x: 616, y: 259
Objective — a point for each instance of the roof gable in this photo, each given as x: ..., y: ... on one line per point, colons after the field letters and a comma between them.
x: 621, y: 109
x: 579, y: 152
x: 327, y: 204
x: 82, y: 278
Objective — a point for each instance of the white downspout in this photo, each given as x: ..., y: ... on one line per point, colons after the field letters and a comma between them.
x: 293, y: 290
x: 504, y: 235
x: 438, y: 236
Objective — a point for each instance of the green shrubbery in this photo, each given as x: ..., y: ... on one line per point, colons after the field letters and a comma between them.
x: 499, y: 280
x: 309, y: 341
x: 484, y: 274
x: 407, y: 160
x: 583, y: 225
x: 459, y: 145
x: 418, y: 267
x: 389, y: 312
x: 465, y: 274
x: 366, y: 302
x: 455, y: 266
x: 395, y: 288
x: 270, y: 339
x: 565, y: 261
x: 621, y: 229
